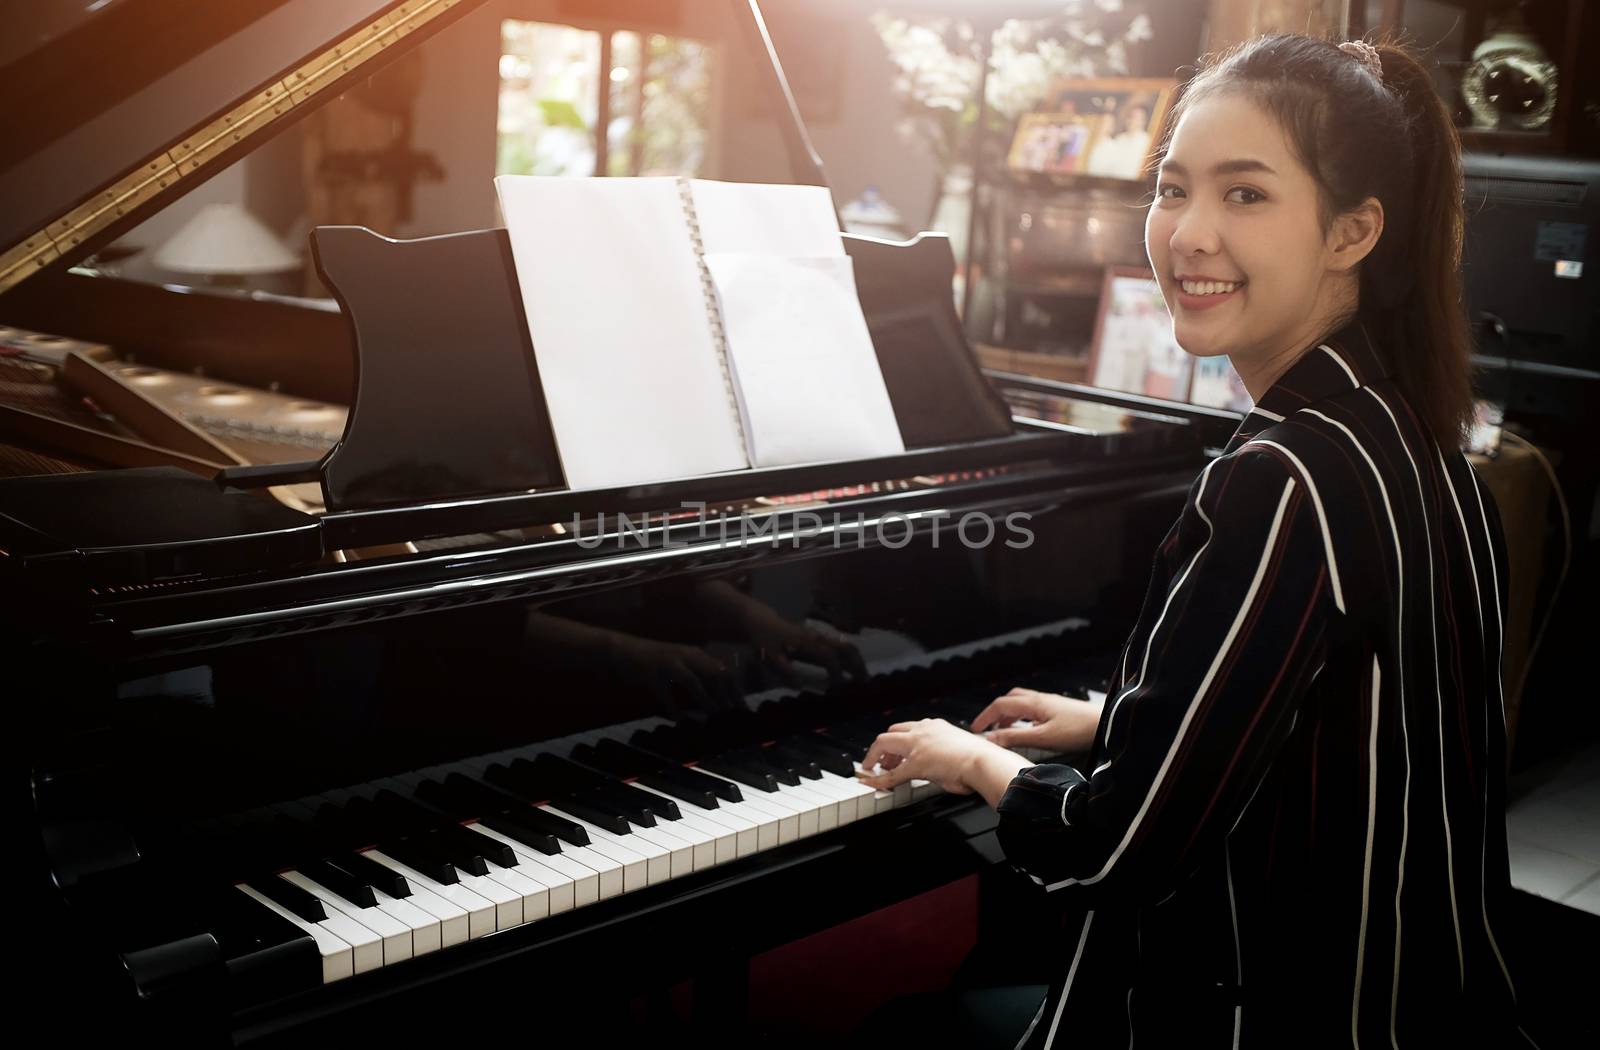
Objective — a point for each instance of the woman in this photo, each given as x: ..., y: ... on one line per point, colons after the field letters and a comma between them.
x: 1290, y: 829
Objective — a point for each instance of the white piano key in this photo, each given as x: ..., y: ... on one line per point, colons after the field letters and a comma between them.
x: 742, y: 830
x: 338, y: 958
x: 681, y: 849
x: 507, y: 901
x: 635, y: 866
x: 854, y: 790
x: 535, y: 894
x: 921, y: 789
x: 481, y: 918
x: 609, y: 872
x: 366, y: 947
x: 426, y: 933
x: 827, y: 805
x: 884, y: 801
x: 803, y: 808
x: 455, y: 924
x: 394, y: 936
x: 561, y: 888
x: 768, y: 824
x: 789, y: 823
x: 657, y: 858
x: 713, y: 843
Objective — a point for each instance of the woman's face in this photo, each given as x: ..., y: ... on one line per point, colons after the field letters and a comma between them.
x: 1237, y: 212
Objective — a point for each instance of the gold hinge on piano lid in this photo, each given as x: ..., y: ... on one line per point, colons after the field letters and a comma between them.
x: 204, y: 146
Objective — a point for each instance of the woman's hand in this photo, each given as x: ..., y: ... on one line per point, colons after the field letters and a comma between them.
x: 1060, y: 723
x: 932, y: 749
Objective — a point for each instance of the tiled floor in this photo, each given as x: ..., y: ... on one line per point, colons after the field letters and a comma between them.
x: 1553, y: 823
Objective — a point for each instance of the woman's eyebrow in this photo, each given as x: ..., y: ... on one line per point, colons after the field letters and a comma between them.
x: 1226, y: 167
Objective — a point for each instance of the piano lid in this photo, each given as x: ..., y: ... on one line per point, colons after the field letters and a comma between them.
x: 114, y: 108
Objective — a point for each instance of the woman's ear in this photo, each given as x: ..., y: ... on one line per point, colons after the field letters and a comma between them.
x: 1354, y: 234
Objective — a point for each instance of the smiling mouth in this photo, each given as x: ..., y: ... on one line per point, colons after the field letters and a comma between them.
x: 1210, y: 287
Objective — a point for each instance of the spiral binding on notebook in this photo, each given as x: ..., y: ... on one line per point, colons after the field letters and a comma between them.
x: 708, y: 291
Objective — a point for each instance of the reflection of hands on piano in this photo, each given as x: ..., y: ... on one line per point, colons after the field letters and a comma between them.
x: 677, y: 677
x: 778, y: 640
x: 932, y: 749
x: 1040, y: 722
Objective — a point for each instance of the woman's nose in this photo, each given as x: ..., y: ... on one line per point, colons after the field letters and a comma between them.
x: 1195, y: 232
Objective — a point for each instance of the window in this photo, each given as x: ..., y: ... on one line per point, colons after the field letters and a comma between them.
x: 559, y: 84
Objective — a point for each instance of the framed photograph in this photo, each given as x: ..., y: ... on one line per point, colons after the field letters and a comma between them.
x: 1054, y: 143
x: 1133, y: 349
x: 1129, y: 114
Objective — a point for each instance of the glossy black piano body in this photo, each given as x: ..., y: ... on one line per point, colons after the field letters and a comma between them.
x: 204, y: 711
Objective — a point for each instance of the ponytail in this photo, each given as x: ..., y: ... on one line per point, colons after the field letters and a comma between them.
x: 1415, y: 291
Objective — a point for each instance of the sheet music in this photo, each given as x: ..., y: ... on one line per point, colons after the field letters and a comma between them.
x: 805, y: 372
x: 620, y: 328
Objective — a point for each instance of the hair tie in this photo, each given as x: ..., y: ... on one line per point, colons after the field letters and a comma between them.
x: 1366, y: 54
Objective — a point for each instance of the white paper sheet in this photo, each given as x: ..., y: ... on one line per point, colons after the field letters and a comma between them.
x: 757, y: 218
x: 619, y: 325
x: 807, y: 376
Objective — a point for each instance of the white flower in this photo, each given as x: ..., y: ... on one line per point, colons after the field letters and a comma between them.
x: 1139, y: 29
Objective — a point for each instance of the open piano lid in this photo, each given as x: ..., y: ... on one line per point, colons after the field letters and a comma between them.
x: 101, y: 135
x: 104, y: 136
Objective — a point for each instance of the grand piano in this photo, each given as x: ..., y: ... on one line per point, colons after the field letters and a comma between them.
x: 317, y: 744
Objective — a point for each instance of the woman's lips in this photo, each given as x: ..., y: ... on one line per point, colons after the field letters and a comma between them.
x: 1205, y: 302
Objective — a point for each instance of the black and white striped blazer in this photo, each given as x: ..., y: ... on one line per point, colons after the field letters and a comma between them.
x: 1291, y: 830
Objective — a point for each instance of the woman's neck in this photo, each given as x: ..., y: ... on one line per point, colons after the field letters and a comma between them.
x: 1260, y: 372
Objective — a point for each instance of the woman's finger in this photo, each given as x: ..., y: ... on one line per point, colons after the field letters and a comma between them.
x: 889, y: 778
x: 1004, y: 709
x: 1022, y: 736
x: 888, y: 745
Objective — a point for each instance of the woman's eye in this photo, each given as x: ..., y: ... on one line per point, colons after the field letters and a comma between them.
x: 1161, y: 190
x: 1251, y: 196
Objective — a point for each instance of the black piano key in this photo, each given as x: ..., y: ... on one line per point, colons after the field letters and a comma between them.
x: 420, y: 856
x: 501, y: 776
x: 557, y: 789
x: 640, y: 807
x: 266, y: 955
x: 474, y: 796
x: 639, y: 760
x: 763, y: 758
x: 745, y: 772
x: 595, y: 813
x: 652, y: 770
x: 465, y: 850
x: 336, y: 880
x: 682, y: 784
x: 652, y: 803
x: 797, y: 762
x: 830, y: 756
x: 512, y: 828
x: 378, y: 876
x: 286, y: 894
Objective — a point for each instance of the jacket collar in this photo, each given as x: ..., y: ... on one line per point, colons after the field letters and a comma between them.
x: 1344, y: 361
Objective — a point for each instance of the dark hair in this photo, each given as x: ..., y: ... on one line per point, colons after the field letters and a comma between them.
x: 1392, y: 140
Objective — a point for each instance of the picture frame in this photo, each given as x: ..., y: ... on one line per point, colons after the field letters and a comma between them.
x: 1053, y: 143
x: 1127, y: 114
x: 1215, y: 384
x: 1132, y: 349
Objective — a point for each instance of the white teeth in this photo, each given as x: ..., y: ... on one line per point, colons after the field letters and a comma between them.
x: 1209, y: 287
